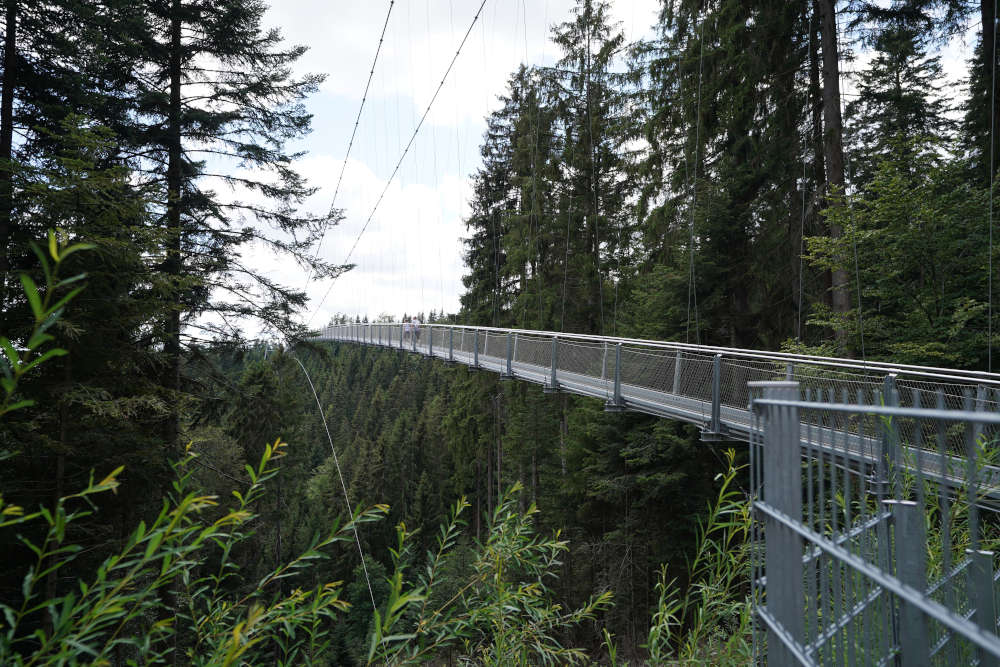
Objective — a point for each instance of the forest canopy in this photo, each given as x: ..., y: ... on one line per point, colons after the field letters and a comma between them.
x: 758, y: 173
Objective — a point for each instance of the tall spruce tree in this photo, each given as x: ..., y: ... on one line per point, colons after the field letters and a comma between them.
x: 594, y: 197
x: 724, y: 110
x: 216, y: 105
x: 899, y: 99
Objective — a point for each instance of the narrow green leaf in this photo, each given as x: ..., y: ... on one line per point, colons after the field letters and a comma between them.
x: 76, y: 247
x: 48, y: 354
x: 31, y: 291
x: 66, y: 299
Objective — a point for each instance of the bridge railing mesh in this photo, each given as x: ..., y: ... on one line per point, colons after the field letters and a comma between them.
x: 886, y: 558
x: 690, y: 380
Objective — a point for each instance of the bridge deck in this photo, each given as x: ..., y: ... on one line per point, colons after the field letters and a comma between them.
x: 712, y: 388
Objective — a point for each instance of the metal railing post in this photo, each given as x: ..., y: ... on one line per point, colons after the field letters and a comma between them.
x: 789, y: 371
x: 508, y: 373
x: 402, y: 335
x: 413, y: 337
x: 911, y: 568
x: 616, y: 404
x: 981, y: 402
x: 715, y: 425
x: 981, y: 589
x: 475, y: 350
x: 553, y: 384
x: 886, y: 475
x: 782, y: 491
x: 677, y: 373
x: 430, y: 341
x: 451, y: 344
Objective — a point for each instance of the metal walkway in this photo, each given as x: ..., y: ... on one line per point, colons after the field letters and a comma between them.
x: 703, y: 385
x: 711, y: 387
x: 858, y: 472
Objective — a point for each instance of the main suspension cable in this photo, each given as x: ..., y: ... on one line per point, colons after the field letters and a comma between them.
x: 399, y: 163
x: 357, y: 120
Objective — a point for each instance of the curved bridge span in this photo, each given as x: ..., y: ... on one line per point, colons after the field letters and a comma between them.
x: 711, y: 387
x: 856, y: 468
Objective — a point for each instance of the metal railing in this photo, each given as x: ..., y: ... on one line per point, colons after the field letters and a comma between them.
x: 705, y: 385
x: 876, y: 487
x: 872, y: 560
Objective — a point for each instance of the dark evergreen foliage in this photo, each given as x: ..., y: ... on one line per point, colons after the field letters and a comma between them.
x: 686, y: 187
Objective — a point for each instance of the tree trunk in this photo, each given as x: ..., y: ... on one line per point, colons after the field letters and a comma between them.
x: 988, y: 19
x: 816, y: 106
x: 7, y: 143
x: 173, y: 268
x: 172, y: 264
x: 833, y: 144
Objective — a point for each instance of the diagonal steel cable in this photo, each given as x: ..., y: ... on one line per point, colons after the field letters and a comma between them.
x: 357, y: 120
x: 402, y: 157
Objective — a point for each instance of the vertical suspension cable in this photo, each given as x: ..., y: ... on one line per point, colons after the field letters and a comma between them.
x: 850, y: 203
x: 802, y: 222
x: 692, y: 277
x: 595, y: 183
x: 989, y: 268
x: 569, y: 216
x: 535, y: 210
x: 532, y: 215
x: 458, y: 161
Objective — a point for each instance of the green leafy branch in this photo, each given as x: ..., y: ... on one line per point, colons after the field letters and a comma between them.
x: 46, y: 309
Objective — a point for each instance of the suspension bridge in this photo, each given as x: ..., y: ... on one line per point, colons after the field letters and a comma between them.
x: 859, y: 470
x: 710, y: 387
x: 874, y: 486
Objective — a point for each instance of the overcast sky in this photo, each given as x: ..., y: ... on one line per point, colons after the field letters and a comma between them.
x: 410, y: 257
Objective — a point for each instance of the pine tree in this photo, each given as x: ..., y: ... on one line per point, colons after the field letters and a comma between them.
x: 723, y: 112
x: 593, y: 197
x: 899, y: 99
x: 215, y: 106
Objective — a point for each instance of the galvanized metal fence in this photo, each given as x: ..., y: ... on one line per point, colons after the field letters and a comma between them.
x: 876, y: 487
x: 702, y: 384
x: 875, y: 527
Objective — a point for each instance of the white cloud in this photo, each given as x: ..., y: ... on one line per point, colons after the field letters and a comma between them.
x: 410, y: 257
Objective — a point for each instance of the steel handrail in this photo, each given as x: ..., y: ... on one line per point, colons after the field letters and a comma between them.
x: 930, y: 372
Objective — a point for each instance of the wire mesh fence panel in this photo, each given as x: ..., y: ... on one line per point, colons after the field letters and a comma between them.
x: 696, y: 376
x: 649, y: 369
x: 533, y: 351
x: 484, y: 343
x: 870, y: 544
x: 738, y: 373
x: 586, y: 359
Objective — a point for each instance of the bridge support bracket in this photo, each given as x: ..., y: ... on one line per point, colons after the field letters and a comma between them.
x: 616, y: 403
x: 722, y: 435
x: 507, y: 373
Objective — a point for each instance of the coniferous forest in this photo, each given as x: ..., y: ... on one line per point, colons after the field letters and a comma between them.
x: 758, y: 173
